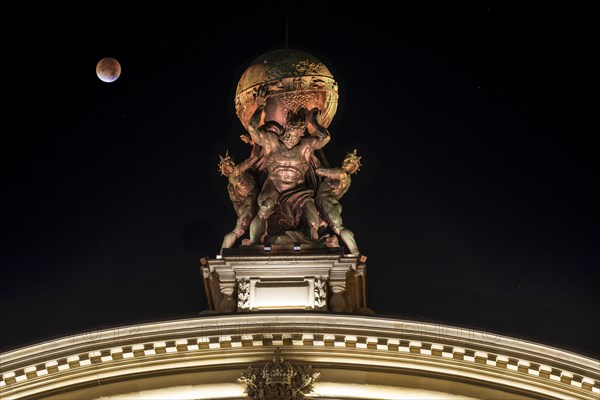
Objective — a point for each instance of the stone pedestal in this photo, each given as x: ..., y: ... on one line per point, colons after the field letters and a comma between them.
x: 254, y: 278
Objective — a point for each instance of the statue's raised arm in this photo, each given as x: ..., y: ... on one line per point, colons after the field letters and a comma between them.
x: 258, y: 135
x: 265, y: 135
x: 320, y: 133
x: 331, y: 173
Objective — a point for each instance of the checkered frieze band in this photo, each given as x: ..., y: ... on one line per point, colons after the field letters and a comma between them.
x: 388, y: 346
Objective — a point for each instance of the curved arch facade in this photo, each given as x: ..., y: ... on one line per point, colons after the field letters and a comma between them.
x: 359, y: 357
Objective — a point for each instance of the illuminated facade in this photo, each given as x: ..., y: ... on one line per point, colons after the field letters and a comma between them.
x: 358, y: 357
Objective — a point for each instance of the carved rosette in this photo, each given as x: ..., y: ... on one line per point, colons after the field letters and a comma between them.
x: 279, y: 380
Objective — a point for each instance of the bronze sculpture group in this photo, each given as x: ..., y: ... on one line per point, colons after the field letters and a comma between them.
x: 284, y: 191
x: 287, y: 157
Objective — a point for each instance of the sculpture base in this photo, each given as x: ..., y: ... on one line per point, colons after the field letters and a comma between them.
x: 277, y: 277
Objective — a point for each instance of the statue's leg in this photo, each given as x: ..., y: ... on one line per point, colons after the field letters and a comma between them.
x: 348, y: 238
x: 266, y: 203
x: 257, y: 228
x: 229, y: 240
x: 333, y: 213
x: 311, y: 216
x: 246, y: 211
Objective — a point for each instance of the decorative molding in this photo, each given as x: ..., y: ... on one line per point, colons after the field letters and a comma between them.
x: 320, y: 294
x: 243, y: 289
x: 365, y: 343
x: 312, y: 279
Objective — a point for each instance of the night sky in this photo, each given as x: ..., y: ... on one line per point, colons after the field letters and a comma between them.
x: 477, y: 124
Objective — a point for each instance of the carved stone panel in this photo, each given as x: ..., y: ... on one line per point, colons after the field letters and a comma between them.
x: 253, y: 281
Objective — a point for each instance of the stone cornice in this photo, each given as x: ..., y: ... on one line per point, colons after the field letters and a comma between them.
x: 366, y: 343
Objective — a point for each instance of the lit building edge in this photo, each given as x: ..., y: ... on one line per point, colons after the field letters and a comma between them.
x: 384, y: 357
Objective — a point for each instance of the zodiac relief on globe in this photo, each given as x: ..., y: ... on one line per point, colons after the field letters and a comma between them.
x: 285, y: 192
x: 286, y: 80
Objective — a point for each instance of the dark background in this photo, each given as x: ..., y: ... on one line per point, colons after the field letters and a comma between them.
x: 476, y: 122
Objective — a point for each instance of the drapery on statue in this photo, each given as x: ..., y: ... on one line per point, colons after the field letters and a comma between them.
x: 335, y: 184
x: 242, y: 192
x: 288, y: 152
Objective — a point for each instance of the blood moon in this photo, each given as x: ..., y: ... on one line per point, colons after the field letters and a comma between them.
x: 108, y: 69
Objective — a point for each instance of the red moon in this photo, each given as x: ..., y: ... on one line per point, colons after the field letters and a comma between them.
x: 108, y: 69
